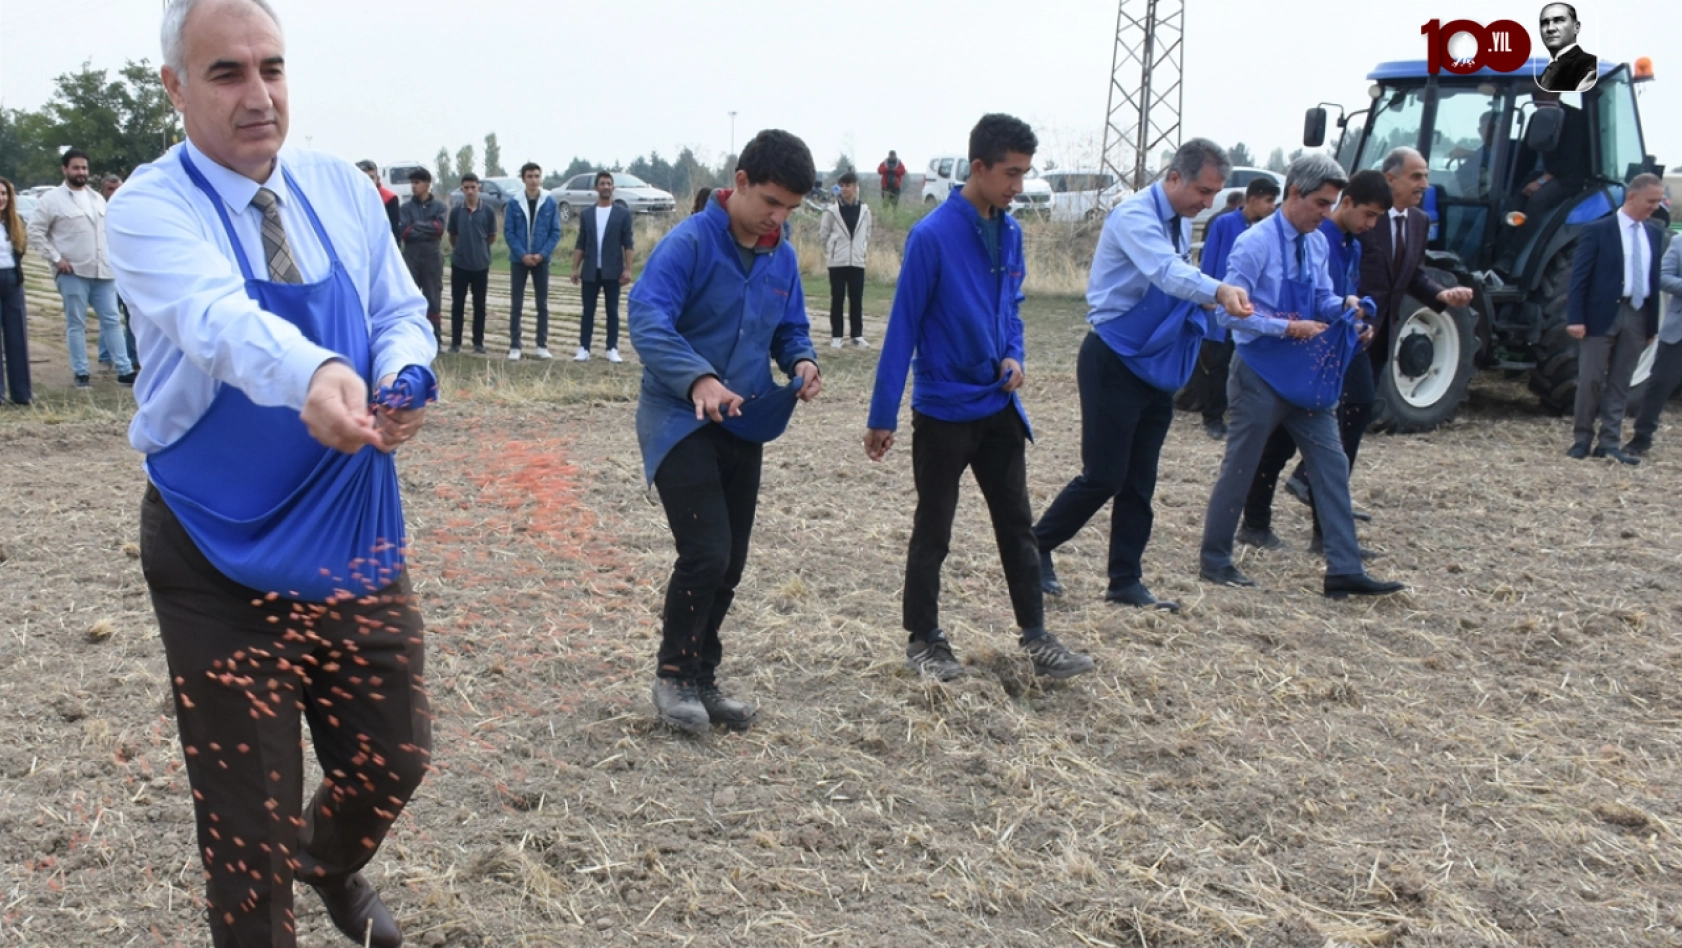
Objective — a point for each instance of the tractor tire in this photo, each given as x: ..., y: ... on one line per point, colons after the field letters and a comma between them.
x: 1554, y: 379
x: 1430, y: 369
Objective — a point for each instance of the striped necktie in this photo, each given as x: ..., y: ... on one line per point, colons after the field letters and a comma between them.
x: 282, y: 269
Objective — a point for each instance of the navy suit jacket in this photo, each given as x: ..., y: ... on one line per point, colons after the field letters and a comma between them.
x: 614, y: 243
x: 1597, y: 277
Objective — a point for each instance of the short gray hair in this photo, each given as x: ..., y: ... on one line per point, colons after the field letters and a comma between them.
x: 1312, y: 172
x: 1396, y: 157
x: 1644, y: 180
x: 173, y: 32
x: 1191, y: 158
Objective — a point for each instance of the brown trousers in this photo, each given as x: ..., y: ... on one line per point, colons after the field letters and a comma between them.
x: 247, y: 669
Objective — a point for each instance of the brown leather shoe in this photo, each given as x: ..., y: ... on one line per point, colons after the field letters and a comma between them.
x: 354, y: 906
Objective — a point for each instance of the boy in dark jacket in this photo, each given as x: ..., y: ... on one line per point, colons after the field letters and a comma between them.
x: 957, y: 309
x: 719, y: 299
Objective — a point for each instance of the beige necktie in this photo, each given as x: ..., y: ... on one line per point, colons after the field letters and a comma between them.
x: 282, y: 268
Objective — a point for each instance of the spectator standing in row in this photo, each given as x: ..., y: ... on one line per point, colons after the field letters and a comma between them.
x: 14, y: 324
x: 601, y: 263
x: 421, y: 227
x: 1613, y: 312
x: 1214, y: 359
x: 108, y: 186
x: 68, y: 229
x: 388, y: 197
x: 844, y: 233
x: 1667, y: 362
x: 892, y: 171
x: 531, y: 226
x: 472, y: 230
x: 1234, y: 201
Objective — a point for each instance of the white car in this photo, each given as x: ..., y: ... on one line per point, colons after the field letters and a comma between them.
x: 1084, y: 195
x: 1238, y: 180
x: 950, y: 171
x: 641, y: 197
x: 396, y: 177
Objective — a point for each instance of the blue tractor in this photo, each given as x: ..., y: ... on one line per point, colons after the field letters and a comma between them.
x: 1515, y: 173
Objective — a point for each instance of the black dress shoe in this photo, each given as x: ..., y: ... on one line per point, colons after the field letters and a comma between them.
x: 1616, y: 454
x: 1638, y: 447
x: 1139, y: 597
x: 1048, y: 577
x: 1361, y: 515
x: 1298, y: 488
x: 1216, y: 430
x: 1225, y: 576
x: 1358, y: 584
x: 1578, y: 451
x: 356, y: 909
x: 1260, y: 537
x: 1317, y: 547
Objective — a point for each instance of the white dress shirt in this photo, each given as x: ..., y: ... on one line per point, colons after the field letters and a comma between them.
x: 70, y: 225
x: 194, y: 324
x: 603, y: 215
x: 1637, y: 258
x: 1135, y: 253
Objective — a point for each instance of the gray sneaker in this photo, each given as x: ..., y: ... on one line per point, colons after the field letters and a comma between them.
x: 933, y: 658
x: 733, y: 714
x: 679, y: 704
x: 1053, y: 659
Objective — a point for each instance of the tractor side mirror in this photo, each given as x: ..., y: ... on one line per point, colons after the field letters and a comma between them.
x: 1541, y: 135
x: 1314, y: 128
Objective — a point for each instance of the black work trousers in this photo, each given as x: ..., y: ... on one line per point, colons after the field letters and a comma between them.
x: 1354, y: 413
x: 247, y: 670
x: 709, y: 485
x: 461, y: 283
x: 587, y: 326
x: 846, y: 284
x: 14, y: 338
x: 1123, y: 422
x: 518, y: 273
x: 994, y: 449
x: 1667, y: 375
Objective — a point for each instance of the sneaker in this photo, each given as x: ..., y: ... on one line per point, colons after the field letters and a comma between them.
x: 455, y: 350
x: 835, y: 342
x: 933, y: 658
x: 1052, y: 659
x: 859, y: 343
x: 83, y: 381
x: 128, y: 379
x: 478, y: 350
x: 513, y: 355
x: 733, y: 714
x: 582, y: 355
x: 543, y: 352
x: 613, y: 356
x: 679, y: 704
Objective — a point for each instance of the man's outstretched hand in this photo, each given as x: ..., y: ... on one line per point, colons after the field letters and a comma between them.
x: 336, y: 409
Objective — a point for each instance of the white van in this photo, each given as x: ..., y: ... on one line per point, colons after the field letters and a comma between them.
x: 1084, y: 195
x: 396, y: 176
x: 949, y: 171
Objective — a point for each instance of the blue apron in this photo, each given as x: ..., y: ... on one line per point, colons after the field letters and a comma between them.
x: 270, y: 507
x: 1308, y: 373
x: 1159, y: 338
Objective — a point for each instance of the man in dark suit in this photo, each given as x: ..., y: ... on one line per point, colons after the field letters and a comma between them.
x: 1667, y: 362
x: 604, y: 251
x: 1572, y: 69
x: 1614, y: 311
x: 1391, y: 255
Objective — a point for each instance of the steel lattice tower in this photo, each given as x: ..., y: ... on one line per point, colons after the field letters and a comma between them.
x: 1146, y: 87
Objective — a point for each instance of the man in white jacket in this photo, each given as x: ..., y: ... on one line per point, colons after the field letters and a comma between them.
x: 845, y: 235
x: 68, y: 229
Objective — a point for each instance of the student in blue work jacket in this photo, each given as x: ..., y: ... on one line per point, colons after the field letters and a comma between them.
x: 719, y: 300
x: 956, y: 314
x: 1215, y: 359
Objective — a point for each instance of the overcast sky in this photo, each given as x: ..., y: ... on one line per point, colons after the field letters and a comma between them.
x: 609, y: 81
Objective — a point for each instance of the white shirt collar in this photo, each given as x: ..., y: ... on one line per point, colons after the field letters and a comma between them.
x: 1398, y: 213
x: 1624, y: 220
x: 235, y: 189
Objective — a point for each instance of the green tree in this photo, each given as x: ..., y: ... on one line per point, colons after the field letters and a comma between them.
x: 26, y: 140
x: 444, y: 179
x: 1241, y: 157
x: 464, y: 162
x: 1276, y: 161
x: 493, y: 157
x: 844, y: 164
x: 578, y: 166
x: 121, y: 122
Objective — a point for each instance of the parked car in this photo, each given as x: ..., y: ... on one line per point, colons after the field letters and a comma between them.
x: 1083, y: 195
x: 494, y: 193
x: 949, y: 171
x: 26, y: 206
x: 636, y: 194
x: 37, y: 190
x: 396, y: 176
x: 1238, y: 180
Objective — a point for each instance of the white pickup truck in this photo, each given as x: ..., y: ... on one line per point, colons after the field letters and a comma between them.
x: 949, y: 171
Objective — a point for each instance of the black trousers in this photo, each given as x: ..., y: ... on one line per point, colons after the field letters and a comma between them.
x: 1354, y: 413
x: 539, y: 275
x: 1123, y: 422
x: 461, y: 283
x: 426, y: 265
x: 994, y: 450
x: 1215, y: 359
x: 709, y: 485
x: 14, y: 338
x: 1667, y: 375
x: 593, y: 288
x: 247, y: 671
x: 846, y: 283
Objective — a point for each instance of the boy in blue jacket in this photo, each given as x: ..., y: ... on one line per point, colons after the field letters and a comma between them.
x: 532, y: 227
x: 719, y: 299
x: 956, y: 314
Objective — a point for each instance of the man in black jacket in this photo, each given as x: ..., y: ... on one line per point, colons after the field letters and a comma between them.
x: 1572, y: 69
x: 604, y: 252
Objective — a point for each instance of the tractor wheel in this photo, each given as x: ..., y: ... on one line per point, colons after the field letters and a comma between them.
x: 1430, y: 368
x: 1554, y: 379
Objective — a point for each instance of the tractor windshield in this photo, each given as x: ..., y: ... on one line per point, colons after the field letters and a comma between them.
x: 1395, y: 121
x: 1622, y: 155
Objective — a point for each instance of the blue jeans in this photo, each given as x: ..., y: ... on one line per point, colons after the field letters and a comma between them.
x: 79, y: 293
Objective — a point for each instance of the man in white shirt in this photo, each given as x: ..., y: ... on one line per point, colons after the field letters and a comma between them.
x: 268, y: 298
x: 68, y: 229
x: 601, y: 264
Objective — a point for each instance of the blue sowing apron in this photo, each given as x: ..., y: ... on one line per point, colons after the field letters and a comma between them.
x: 1308, y: 373
x: 1159, y: 338
x: 272, y: 508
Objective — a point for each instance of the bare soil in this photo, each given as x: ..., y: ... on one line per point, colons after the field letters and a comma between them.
x: 1489, y: 759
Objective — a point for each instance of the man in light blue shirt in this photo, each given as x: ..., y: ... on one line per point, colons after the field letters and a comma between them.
x: 1281, y: 263
x: 1148, y: 313
x: 268, y: 299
